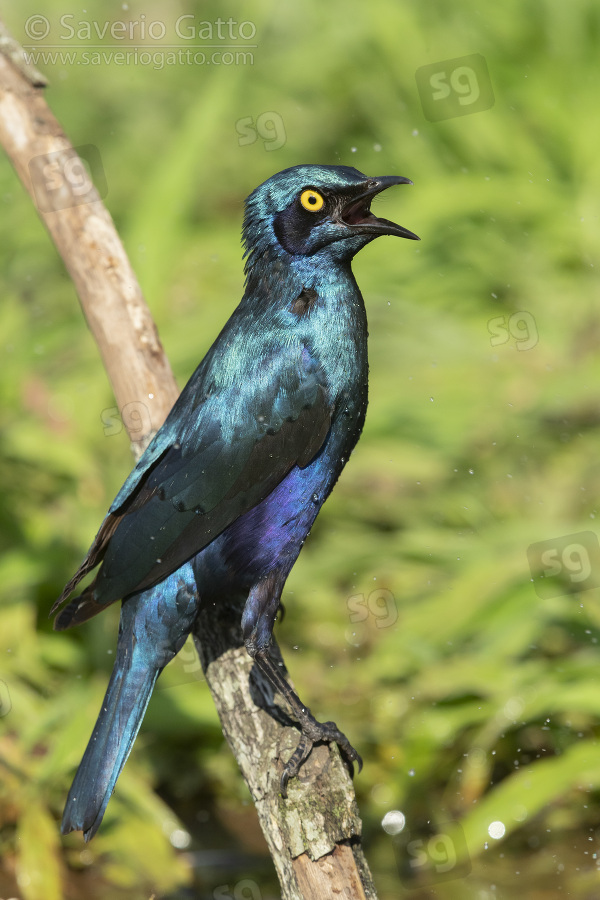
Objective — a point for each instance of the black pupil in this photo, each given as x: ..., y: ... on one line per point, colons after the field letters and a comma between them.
x: 312, y: 199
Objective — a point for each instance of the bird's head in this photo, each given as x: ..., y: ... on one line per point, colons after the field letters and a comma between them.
x: 304, y: 209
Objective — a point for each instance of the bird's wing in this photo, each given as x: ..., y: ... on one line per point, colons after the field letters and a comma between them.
x: 220, y: 452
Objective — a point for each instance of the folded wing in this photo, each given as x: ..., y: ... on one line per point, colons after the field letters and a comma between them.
x: 221, y: 451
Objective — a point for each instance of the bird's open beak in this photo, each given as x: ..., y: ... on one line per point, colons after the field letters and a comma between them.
x: 358, y: 216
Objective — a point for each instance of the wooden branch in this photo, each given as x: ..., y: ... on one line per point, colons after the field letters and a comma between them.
x: 85, y: 236
x: 314, y: 834
x: 13, y: 50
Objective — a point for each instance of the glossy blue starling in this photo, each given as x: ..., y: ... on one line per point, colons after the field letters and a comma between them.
x: 227, y: 491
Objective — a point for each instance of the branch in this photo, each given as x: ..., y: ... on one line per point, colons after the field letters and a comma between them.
x: 13, y: 50
x: 85, y: 236
x: 313, y: 836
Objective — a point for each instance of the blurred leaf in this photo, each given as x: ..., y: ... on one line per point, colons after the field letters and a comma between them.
x: 38, y: 859
x: 521, y: 797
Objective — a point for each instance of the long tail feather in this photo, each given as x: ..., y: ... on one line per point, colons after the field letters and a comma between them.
x: 153, y: 628
x: 119, y: 721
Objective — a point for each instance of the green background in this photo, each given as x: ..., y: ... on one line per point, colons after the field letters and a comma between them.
x: 412, y: 617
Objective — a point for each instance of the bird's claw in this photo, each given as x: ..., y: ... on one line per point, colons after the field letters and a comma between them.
x: 312, y: 733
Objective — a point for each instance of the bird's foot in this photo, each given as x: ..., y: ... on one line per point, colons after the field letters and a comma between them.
x: 313, y: 732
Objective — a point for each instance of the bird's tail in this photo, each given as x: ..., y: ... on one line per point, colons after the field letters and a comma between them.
x: 153, y: 628
x: 123, y: 709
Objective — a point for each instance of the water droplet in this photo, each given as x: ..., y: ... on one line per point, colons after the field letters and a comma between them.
x: 497, y: 830
x: 393, y: 822
x: 180, y: 838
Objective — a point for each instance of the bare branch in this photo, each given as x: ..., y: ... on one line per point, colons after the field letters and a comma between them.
x: 314, y: 835
x: 85, y: 236
x: 13, y: 50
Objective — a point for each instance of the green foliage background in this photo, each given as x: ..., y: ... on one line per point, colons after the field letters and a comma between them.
x: 471, y: 699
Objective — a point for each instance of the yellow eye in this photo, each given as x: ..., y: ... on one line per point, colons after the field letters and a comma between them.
x: 311, y: 200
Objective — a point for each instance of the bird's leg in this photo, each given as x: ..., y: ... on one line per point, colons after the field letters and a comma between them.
x: 312, y: 730
x: 257, y: 624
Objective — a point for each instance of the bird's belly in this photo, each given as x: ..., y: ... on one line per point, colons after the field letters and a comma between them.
x: 270, y: 535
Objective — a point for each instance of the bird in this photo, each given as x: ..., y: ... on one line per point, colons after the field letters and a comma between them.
x: 228, y: 489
